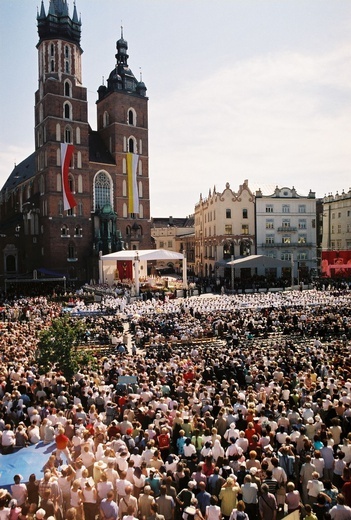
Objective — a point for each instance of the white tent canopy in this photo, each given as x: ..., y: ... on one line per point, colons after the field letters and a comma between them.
x: 254, y: 261
x: 139, y: 258
x: 143, y: 254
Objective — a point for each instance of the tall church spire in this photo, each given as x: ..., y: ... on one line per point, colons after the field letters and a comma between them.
x: 42, y: 14
x: 75, y: 14
x: 121, y: 77
x: 122, y: 47
x: 58, y: 23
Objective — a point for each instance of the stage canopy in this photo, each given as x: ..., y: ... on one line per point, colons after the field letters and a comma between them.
x: 143, y: 254
x: 256, y: 261
x: 137, y: 260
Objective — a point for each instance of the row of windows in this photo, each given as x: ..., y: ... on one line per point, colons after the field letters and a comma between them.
x: 338, y: 228
x: 131, y: 118
x: 169, y: 244
x: 103, y: 187
x: 302, y: 223
x: 130, y: 144
x: 339, y: 214
x: 76, y: 161
x: 270, y: 239
x: 67, y: 58
x: 210, y: 216
x: 285, y: 208
x: 287, y: 255
x: 103, y: 191
x: 78, y: 231
x: 228, y: 213
x: 67, y: 136
x: 228, y: 229
x: 78, y: 211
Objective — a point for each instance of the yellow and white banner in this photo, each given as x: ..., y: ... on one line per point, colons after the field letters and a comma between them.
x: 133, y: 195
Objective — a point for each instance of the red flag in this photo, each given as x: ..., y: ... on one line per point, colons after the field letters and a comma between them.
x: 66, y: 156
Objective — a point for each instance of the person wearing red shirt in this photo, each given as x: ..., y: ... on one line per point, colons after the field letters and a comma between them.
x: 62, y: 443
x: 250, y: 432
x: 164, y: 443
x: 112, y: 430
x: 189, y: 375
x: 346, y: 491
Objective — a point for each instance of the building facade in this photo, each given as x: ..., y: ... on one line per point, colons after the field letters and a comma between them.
x: 286, y: 229
x: 336, y: 235
x: 175, y: 234
x: 224, y: 229
x: 36, y: 232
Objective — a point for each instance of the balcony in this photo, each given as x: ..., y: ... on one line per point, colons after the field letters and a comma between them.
x: 287, y: 229
x: 289, y: 246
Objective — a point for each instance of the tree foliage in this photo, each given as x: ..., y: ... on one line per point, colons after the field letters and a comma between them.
x: 60, y: 348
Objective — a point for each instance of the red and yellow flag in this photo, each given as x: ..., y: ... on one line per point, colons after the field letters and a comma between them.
x: 133, y: 195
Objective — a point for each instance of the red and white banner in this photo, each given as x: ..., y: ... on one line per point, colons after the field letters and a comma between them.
x: 69, y: 201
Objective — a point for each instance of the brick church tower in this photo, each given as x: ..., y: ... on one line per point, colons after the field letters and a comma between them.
x: 122, y: 118
x: 111, y: 209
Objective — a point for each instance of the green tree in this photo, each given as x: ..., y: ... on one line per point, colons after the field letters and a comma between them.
x: 59, y: 348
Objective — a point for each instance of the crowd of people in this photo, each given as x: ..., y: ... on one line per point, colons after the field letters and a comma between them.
x: 225, y: 407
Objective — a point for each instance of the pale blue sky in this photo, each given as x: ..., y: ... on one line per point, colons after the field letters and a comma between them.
x: 250, y: 89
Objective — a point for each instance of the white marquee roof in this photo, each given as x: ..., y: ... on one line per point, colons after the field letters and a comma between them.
x: 144, y: 254
x: 253, y: 261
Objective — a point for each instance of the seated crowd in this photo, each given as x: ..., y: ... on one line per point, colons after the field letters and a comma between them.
x: 257, y: 426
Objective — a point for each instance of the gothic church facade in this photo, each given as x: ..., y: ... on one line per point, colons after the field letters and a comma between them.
x: 36, y: 232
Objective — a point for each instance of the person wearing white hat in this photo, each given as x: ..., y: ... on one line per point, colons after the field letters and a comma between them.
x: 98, y: 468
x: 40, y: 514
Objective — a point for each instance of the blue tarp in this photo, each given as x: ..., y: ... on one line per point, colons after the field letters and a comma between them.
x: 25, y: 462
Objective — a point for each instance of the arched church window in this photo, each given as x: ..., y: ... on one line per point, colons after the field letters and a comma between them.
x: 102, y: 190
x: 131, y: 117
x: 67, y: 111
x: 68, y: 134
x: 131, y: 145
x: 68, y: 89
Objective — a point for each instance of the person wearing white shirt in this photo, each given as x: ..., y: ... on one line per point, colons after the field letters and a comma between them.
x: 8, y: 437
x: 314, y: 487
x: 340, y: 511
x: 18, y: 490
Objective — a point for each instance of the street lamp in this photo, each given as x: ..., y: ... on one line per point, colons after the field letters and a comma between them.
x: 136, y: 273
x: 185, y: 269
x: 232, y: 272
